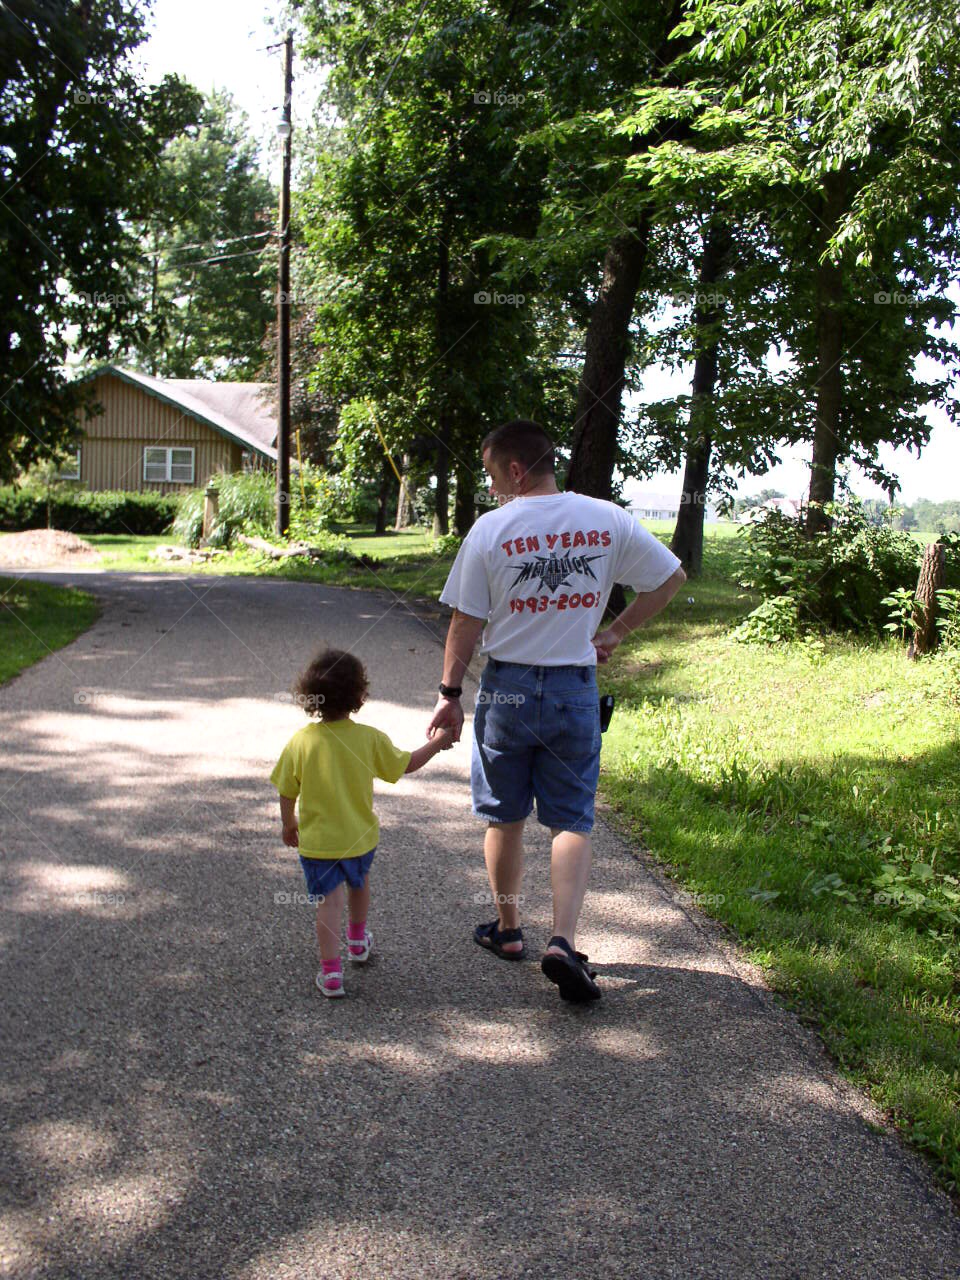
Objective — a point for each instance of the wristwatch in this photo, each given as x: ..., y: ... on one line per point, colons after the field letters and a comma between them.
x: 450, y: 690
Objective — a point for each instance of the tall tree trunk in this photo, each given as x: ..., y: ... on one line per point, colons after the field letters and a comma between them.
x: 405, y: 497
x: 933, y: 575
x: 464, y: 503
x: 826, y: 435
x: 441, y: 518
x: 383, y: 496
x: 687, y: 542
x: 594, y: 450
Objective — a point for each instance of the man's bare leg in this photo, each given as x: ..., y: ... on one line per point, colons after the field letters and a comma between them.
x: 503, y: 854
x: 569, y: 872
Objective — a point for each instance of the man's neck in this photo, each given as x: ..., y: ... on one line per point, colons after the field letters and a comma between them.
x: 545, y: 489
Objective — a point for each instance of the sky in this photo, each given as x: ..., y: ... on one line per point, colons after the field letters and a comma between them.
x: 222, y: 44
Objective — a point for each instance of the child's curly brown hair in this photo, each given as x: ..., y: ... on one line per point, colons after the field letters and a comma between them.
x: 333, y: 685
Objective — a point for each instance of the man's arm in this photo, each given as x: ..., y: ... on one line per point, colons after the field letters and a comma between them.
x: 646, y: 606
x: 462, y: 636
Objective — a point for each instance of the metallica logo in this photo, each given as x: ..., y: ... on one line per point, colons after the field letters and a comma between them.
x: 553, y: 571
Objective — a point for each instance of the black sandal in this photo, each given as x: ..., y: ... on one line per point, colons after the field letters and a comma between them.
x: 491, y: 937
x: 570, y: 973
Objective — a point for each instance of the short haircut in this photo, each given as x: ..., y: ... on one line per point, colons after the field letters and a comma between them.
x: 334, y: 684
x: 521, y: 441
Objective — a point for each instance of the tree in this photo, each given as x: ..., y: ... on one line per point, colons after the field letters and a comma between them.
x: 425, y: 325
x: 596, y: 218
x: 848, y: 102
x: 210, y: 258
x: 79, y: 134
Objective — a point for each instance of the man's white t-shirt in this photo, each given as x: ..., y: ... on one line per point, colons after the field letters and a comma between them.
x: 541, y: 569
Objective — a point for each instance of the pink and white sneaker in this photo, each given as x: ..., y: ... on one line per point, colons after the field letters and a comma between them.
x: 331, y: 984
x: 362, y: 955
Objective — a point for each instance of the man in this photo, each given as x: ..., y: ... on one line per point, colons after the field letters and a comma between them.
x: 534, y: 576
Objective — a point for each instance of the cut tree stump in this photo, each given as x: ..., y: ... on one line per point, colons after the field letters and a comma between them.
x: 933, y: 573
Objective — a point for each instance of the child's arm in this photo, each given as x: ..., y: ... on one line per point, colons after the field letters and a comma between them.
x: 291, y: 832
x: 442, y: 740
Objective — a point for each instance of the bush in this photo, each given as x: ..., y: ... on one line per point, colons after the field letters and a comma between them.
x: 448, y: 544
x: 773, y: 621
x: 838, y: 580
x: 247, y: 504
x: 83, y: 511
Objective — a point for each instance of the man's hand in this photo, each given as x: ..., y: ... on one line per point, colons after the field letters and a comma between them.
x: 645, y: 606
x: 448, y: 714
x: 605, y: 642
x: 291, y: 836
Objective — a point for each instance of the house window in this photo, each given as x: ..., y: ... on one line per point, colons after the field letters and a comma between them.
x: 168, y: 466
x: 71, y: 466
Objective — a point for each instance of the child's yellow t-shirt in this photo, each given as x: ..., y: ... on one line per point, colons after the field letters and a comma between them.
x: 331, y: 767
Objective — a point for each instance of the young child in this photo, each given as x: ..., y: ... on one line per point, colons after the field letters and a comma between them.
x: 331, y: 766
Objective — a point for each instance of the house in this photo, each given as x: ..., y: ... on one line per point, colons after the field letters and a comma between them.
x: 164, y: 435
x: 793, y: 508
x: 660, y: 506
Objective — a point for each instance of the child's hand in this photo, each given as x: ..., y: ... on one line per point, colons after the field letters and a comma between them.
x: 446, y: 737
x: 291, y: 836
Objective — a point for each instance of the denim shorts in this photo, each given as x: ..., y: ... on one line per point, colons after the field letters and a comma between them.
x: 323, y: 875
x: 536, y: 736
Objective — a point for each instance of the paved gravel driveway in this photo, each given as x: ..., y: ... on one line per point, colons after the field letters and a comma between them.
x: 179, y: 1100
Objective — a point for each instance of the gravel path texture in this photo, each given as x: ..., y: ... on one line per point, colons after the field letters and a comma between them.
x: 180, y: 1101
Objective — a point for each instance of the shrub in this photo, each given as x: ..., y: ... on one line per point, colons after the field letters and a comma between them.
x: 247, y: 504
x: 83, y: 511
x: 448, y: 544
x: 773, y: 621
x: 839, y: 580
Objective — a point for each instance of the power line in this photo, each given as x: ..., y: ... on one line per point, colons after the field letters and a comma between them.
x: 216, y: 244
x: 223, y: 257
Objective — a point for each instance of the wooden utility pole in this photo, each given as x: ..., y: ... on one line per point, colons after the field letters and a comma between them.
x: 285, y: 130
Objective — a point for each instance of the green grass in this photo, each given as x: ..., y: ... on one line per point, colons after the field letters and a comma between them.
x: 126, y: 551
x: 405, y: 562
x: 36, y: 619
x: 811, y: 792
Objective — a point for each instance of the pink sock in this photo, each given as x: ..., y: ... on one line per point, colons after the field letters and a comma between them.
x: 356, y: 934
x: 332, y: 966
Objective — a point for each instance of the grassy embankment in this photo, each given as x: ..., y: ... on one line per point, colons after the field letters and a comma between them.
x: 778, y: 784
x: 36, y: 619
